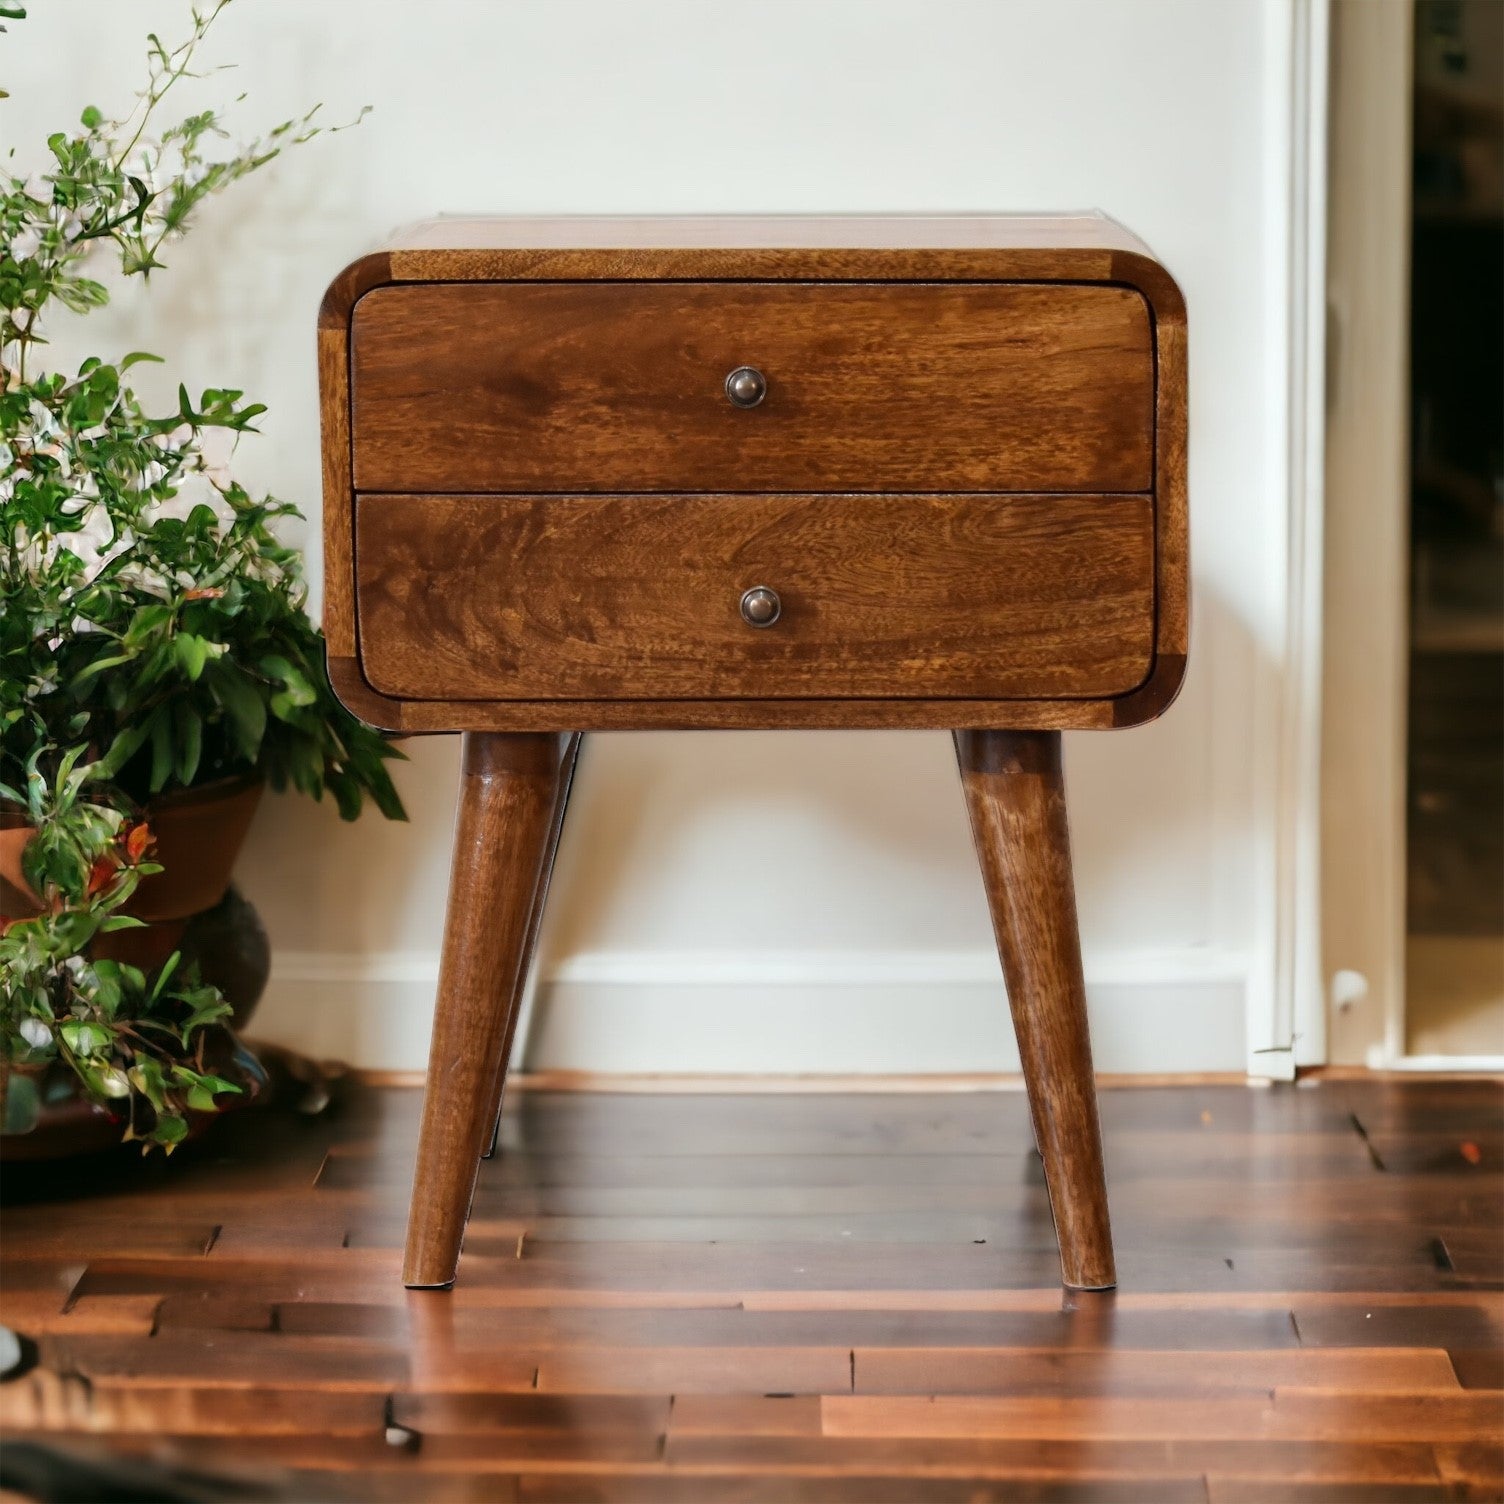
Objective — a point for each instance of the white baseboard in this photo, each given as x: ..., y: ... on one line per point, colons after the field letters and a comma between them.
x: 905, y: 1013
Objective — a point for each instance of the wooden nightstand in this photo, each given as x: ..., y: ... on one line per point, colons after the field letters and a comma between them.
x: 584, y: 474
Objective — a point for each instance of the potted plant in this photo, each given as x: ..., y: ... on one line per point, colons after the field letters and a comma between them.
x: 157, y: 664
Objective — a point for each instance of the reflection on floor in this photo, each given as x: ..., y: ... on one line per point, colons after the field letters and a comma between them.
x: 833, y: 1297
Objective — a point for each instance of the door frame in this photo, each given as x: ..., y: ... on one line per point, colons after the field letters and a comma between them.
x: 1367, y: 542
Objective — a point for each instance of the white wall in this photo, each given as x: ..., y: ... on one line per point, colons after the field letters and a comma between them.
x: 788, y: 901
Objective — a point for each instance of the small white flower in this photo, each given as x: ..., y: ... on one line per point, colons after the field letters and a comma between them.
x: 39, y: 187
x: 35, y: 1033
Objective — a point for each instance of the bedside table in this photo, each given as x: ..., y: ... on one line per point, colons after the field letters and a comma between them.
x: 589, y: 474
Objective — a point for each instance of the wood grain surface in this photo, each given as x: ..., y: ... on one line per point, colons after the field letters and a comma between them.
x: 1063, y: 256
x: 510, y: 801
x: 526, y: 598
x: 568, y: 763
x: 1015, y: 795
x: 619, y: 386
x: 792, y: 1297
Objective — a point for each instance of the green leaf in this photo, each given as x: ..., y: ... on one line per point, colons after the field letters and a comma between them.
x: 192, y: 654
x: 98, y: 666
x: 85, y: 1038
x: 243, y: 704
x: 107, y: 982
x: 190, y: 742
x: 164, y: 976
x: 161, y: 752
x: 146, y: 1077
x: 91, y: 119
x: 122, y: 749
x: 299, y: 690
x: 170, y: 1130
x: 121, y: 922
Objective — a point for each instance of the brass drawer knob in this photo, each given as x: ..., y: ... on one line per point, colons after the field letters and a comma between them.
x: 761, y: 606
x: 746, y: 386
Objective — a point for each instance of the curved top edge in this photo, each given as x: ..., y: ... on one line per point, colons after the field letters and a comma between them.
x: 1151, y: 278
x: 350, y: 285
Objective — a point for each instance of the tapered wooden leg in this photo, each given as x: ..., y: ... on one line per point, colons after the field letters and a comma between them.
x: 508, y: 787
x: 530, y: 945
x: 1016, y: 798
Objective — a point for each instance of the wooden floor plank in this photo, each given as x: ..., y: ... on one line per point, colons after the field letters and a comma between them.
x: 1439, y: 1416
x: 840, y: 1297
x: 1008, y: 1371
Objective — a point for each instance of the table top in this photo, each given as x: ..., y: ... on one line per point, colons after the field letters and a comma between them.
x: 1087, y: 230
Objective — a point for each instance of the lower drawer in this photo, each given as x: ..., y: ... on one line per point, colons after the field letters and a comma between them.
x: 640, y: 597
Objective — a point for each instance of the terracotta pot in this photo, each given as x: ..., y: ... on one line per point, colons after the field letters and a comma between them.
x: 188, y: 905
x: 199, y: 835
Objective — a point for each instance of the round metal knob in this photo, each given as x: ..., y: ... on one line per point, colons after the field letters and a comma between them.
x: 746, y: 386
x: 761, y: 606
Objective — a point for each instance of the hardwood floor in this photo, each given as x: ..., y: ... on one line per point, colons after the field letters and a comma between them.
x: 843, y: 1297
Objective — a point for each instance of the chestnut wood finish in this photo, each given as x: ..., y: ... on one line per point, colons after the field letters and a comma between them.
x: 637, y: 597
x: 510, y: 790
x: 799, y: 1296
x: 961, y: 477
x: 568, y: 763
x: 618, y: 386
x: 1015, y: 794
x: 1063, y: 253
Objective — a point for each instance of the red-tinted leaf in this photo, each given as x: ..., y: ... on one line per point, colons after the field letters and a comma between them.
x: 138, y: 840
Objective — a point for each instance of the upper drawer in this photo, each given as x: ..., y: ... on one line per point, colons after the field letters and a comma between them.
x: 620, y: 387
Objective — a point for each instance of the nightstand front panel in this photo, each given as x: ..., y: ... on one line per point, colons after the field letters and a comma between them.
x: 502, y: 598
x: 620, y: 387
